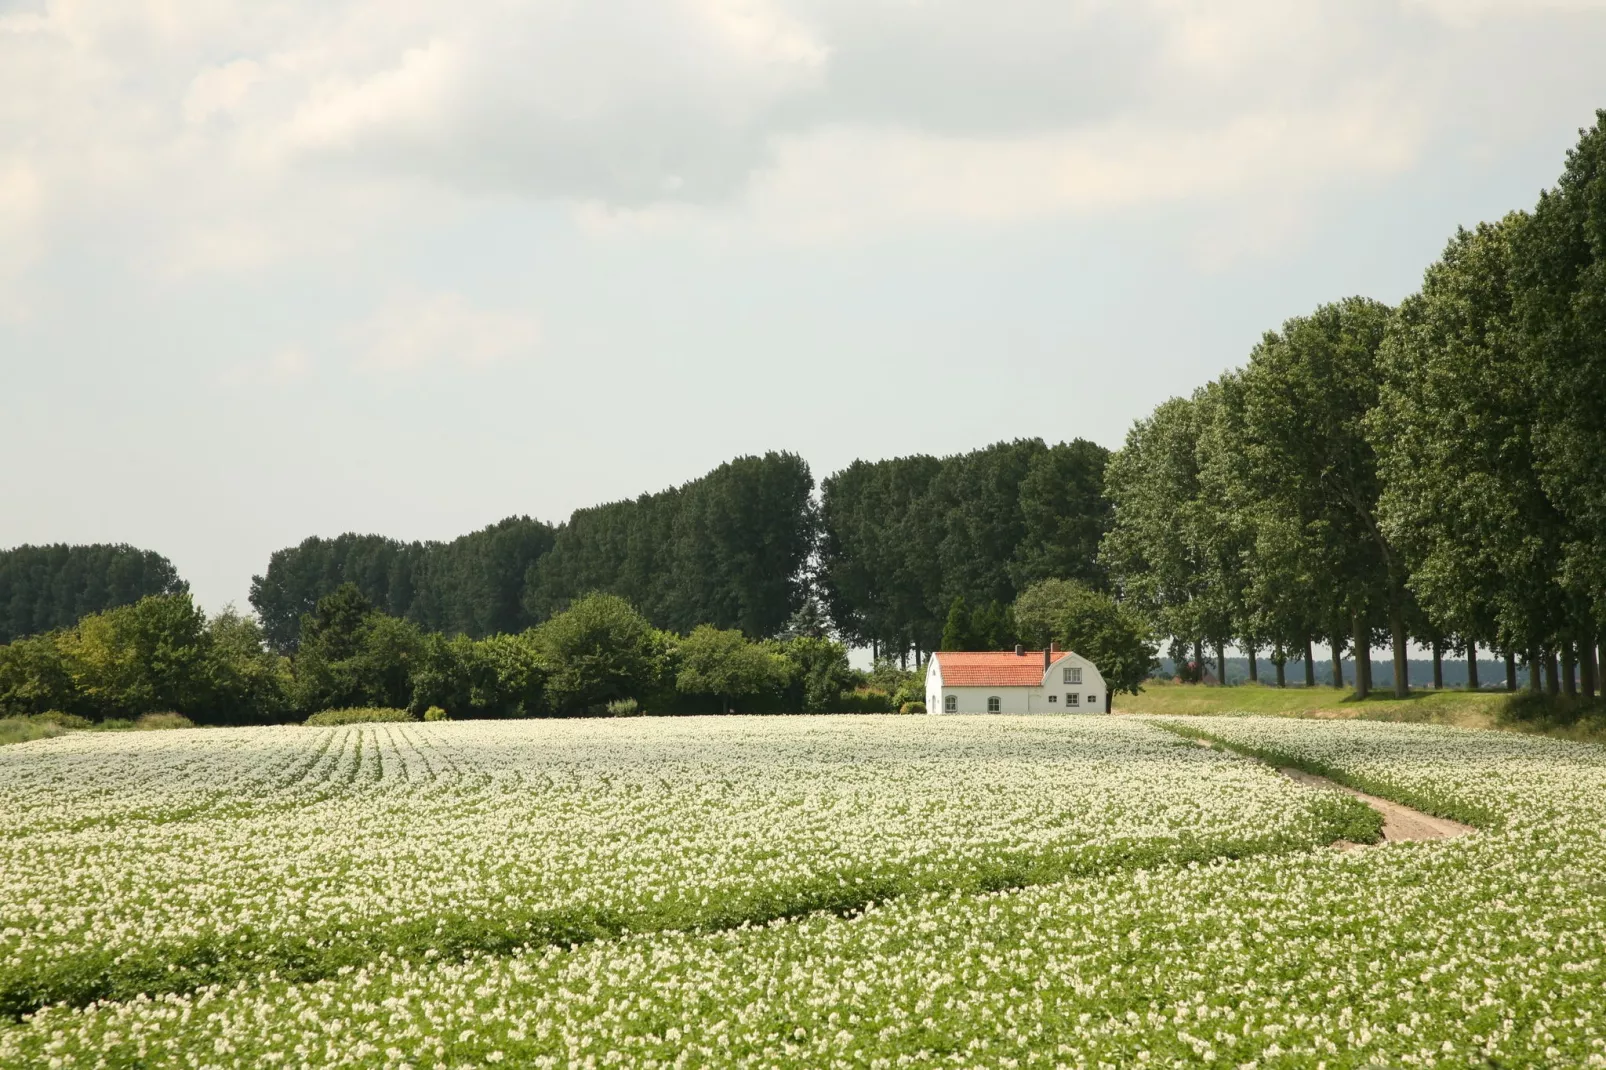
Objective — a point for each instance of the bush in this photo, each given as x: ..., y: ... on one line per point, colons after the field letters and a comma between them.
x: 114, y: 724
x: 156, y: 722
x: 865, y: 700
x: 26, y: 729
x: 625, y: 707
x: 912, y: 707
x: 357, y: 715
x: 435, y: 713
x: 65, y: 720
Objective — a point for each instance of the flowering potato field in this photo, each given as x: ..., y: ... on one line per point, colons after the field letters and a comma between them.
x: 1488, y: 950
x: 163, y: 863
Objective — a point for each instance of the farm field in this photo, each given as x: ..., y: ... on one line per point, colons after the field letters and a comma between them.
x: 1037, y: 891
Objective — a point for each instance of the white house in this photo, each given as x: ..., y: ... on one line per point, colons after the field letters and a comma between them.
x: 1018, y: 681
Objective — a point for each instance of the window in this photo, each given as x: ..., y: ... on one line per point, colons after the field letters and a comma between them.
x: 950, y: 704
x: 1053, y: 698
x: 1092, y: 700
x: 992, y: 703
x: 1072, y: 700
x: 1073, y: 676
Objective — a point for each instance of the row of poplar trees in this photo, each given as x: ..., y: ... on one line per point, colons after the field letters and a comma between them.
x: 1375, y: 475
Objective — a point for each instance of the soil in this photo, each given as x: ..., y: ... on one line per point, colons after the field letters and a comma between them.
x: 1401, y: 824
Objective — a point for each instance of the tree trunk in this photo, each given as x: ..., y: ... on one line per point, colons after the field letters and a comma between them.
x: 1552, y: 676
x: 1402, y: 666
x: 1363, y: 659
x: 1338, y: 664
x: 1511, y: 670
x: 1472, y: 666
x: 1569, y: 666
x: 903, y: 658
x: 1533, y: 672
x: 1586, y: 665
x: 1254, y: 665
x: 1310, y: 663
x: 1438, y: 665
x: 1281, y: 663
x: 1221, y: 665
x: 1198, y: 658
x: 875, y: 651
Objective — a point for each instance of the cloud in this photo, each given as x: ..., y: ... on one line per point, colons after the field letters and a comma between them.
x: 288, y: 365
x: 205, y: 140
x: 410, y: 334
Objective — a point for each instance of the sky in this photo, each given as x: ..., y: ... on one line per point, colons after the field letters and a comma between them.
x: 290, y: 268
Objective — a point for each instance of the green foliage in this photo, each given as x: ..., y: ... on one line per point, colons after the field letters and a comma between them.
x: 34, y: 678
x: 45, y: 588
x: 353, y: 656
x: 473, y: 585
x: 915, y: 706
x: 1090, y: 623
x: 729, y: 549
x: 161, y: 722
x: 956, y: 630
x: 148, y: 657
x: 246, y: 682
x: 500, y: 676
x: 357, y: 715
x: 903, y: 539
x: 597, y: 651
x: 624, y: 707
x: 726, y: 665
x: 435, y: 713
x: 818, y: 673
x: 27, y: 729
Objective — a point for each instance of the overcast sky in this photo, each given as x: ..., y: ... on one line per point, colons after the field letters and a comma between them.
x: 284, y: 268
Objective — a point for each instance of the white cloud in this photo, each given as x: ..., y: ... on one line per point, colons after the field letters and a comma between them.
x: 218, y: 136
x: 412, y: 333
x: 289, y: 365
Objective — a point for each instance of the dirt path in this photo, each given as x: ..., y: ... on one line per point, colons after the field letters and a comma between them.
x: 1401, y: 824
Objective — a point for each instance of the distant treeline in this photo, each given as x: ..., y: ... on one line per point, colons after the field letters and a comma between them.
x: 47, y: 587
x: 1452, y: 672
x: 888, y: 550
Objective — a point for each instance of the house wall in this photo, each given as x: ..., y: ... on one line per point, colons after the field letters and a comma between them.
x: 1023, y: 699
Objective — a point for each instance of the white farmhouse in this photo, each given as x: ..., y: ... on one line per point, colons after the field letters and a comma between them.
x: 1022, y: 681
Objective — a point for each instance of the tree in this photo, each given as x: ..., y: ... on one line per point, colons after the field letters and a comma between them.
x: 34, y: 678
x: 45, y: 588
x: 353, y: 655
x: 596, y: 651
x: 246, y: 682
x: 818, y: 672
x: 1091, y: 624
x: 1151, y: 557
x: 1065, y: 515
x: 1455, y: 431
x: 1306, y: 395
x: 727, y: 665
x: 956, y: 632
x: 148, y: 657
x: 498, y: 676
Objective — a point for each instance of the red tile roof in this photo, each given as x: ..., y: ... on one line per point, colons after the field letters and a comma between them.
x: 1001, y: 669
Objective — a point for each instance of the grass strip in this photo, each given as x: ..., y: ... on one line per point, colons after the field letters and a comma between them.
x: 1463, y: 812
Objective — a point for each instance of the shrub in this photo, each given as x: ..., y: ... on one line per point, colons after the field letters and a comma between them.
x: 65, y: 720
x: 156, y: 722
x: 114, y: 724
x: 865, y: 700
x: 625, y: 707
x: 357, y: 715
x: 913, y: 707
x: 435, y: 713
x: 25, y: 729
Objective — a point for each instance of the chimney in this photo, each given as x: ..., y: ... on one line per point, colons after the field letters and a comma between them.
x: 1048, y: 659
x: 1020, y: 651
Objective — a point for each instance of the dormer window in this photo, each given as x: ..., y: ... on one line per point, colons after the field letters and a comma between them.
x: 1073, y: 675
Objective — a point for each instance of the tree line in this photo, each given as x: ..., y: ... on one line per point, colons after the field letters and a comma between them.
x: 1434, y: 472
x: 47, y: 587
x: 598, y: 655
